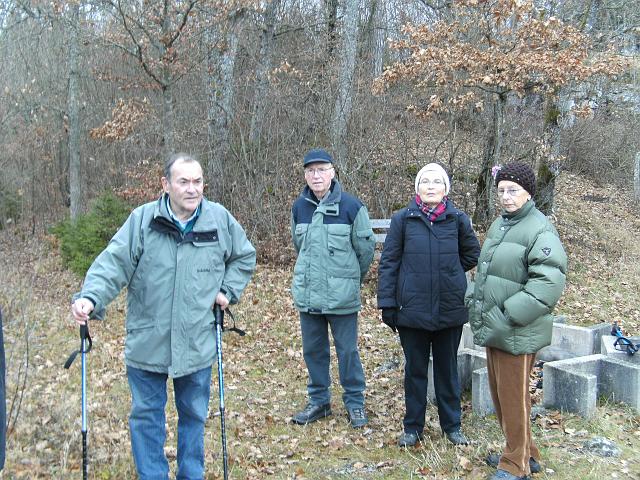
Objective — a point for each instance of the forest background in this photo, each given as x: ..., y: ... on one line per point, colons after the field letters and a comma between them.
x: 95, y: 94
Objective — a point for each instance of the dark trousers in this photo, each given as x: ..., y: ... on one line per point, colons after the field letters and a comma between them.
x: 316, y: 352
x: 417, y: 346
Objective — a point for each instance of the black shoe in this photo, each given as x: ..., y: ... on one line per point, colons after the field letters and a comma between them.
x: 494, y: 458
x: 457, y: 437
x: 504, y: 475
x: 311, y: 413
x: 409, y: 439
x: 358, y: 417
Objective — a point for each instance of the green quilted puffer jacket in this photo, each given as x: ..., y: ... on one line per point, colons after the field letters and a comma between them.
x: 520, y: 277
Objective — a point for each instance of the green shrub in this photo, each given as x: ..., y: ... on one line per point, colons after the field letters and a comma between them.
x: 10, y: 205
x: 81, y: 241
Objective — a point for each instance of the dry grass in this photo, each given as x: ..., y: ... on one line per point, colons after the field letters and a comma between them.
x: 265, y: 376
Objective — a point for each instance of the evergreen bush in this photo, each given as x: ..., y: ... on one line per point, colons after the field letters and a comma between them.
x: 10, y: 205
x: 81, y: 241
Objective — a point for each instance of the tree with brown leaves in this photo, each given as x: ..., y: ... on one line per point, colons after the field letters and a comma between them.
x: 486, y: 52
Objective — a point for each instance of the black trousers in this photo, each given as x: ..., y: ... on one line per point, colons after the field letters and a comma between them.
x: 417, y: 346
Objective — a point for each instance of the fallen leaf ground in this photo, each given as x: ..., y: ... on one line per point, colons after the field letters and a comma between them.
x: 265, y: 376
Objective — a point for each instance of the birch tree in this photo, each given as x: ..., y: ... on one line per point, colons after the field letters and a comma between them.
x: 344, y: 99
x: 377, y: 37
x: 221, y: 96
x: 263, y: 68
x: 73, y: 110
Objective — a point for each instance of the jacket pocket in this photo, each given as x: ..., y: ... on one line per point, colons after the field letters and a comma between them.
x: 343, y: 290
x: 500, y: 332
x: 145, y: 345
x: 205, y: 273
x: 338, y: 238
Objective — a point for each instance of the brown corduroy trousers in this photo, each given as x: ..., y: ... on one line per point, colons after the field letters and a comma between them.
x: 509, y: 385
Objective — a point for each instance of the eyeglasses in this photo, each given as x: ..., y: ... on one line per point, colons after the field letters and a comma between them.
x: 320, y: 171
x: 511, y: 192
x: 438, y: 182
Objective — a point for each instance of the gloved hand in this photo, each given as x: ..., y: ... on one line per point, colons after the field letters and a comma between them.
x: 390, y: 317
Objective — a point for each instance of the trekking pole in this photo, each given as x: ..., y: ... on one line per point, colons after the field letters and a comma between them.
x: 218, y: 316
x: 85, y: 347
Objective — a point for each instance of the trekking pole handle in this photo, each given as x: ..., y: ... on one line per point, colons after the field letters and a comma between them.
x: 84, y: 332
x: 218, y: 316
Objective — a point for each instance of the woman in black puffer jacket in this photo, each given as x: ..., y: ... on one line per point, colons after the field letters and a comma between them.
x: 429, y: 247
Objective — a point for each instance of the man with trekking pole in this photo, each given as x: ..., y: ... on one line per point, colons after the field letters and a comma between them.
x: 178, y: 256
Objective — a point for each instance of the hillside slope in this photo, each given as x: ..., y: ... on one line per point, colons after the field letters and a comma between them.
x: 265, y: 376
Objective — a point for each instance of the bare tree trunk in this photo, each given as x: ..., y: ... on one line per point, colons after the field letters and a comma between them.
x: 377, y: 39
x: 636, y: 177
x: 344, y: 100
x: 590, y: 16
x: 73, y: 110
x: 221, y: 105
x: 262, y: 71
x: 332, y: 20
x: 484, y: 192
x: 547, y: 172
x: 167, y: 121
x: 167, y: 93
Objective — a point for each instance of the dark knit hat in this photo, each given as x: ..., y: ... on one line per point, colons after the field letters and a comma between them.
x: 317, y: 155
x: 519, y: 173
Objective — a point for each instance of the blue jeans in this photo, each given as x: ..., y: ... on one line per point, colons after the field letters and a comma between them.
x: 316, y: 352
x: 147, y: 422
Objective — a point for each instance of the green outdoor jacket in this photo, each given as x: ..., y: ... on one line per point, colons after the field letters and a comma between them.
x: 335, y: 245
x: 172, y: 283
x: 520, y: 277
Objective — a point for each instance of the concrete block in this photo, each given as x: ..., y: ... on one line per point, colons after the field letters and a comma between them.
x: 576, y: 384
x: 468, y: 361
x: 572, y: 385
x: 607, y: 348
x: 619, y: 381
x: 570, y: 341
x: 481, y: 402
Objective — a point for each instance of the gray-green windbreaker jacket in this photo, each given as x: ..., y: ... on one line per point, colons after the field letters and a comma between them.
x: 172, y: 283
x: 335, y: 245
x: 520, y: 277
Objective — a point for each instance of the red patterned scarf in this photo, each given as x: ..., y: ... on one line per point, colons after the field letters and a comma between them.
x: 432, y: 213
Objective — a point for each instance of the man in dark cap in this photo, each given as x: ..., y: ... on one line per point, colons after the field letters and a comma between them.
x: 335, y: 243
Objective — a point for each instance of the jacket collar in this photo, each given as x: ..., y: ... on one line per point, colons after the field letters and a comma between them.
x: 330, y: 204
x: 205, y: 221
x: 519, y: 214
x: 414, y: 211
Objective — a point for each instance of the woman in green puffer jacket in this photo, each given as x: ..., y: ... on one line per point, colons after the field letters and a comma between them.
x: 520, y: 277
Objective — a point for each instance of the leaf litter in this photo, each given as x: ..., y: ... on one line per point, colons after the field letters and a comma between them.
x: 265, y: 375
